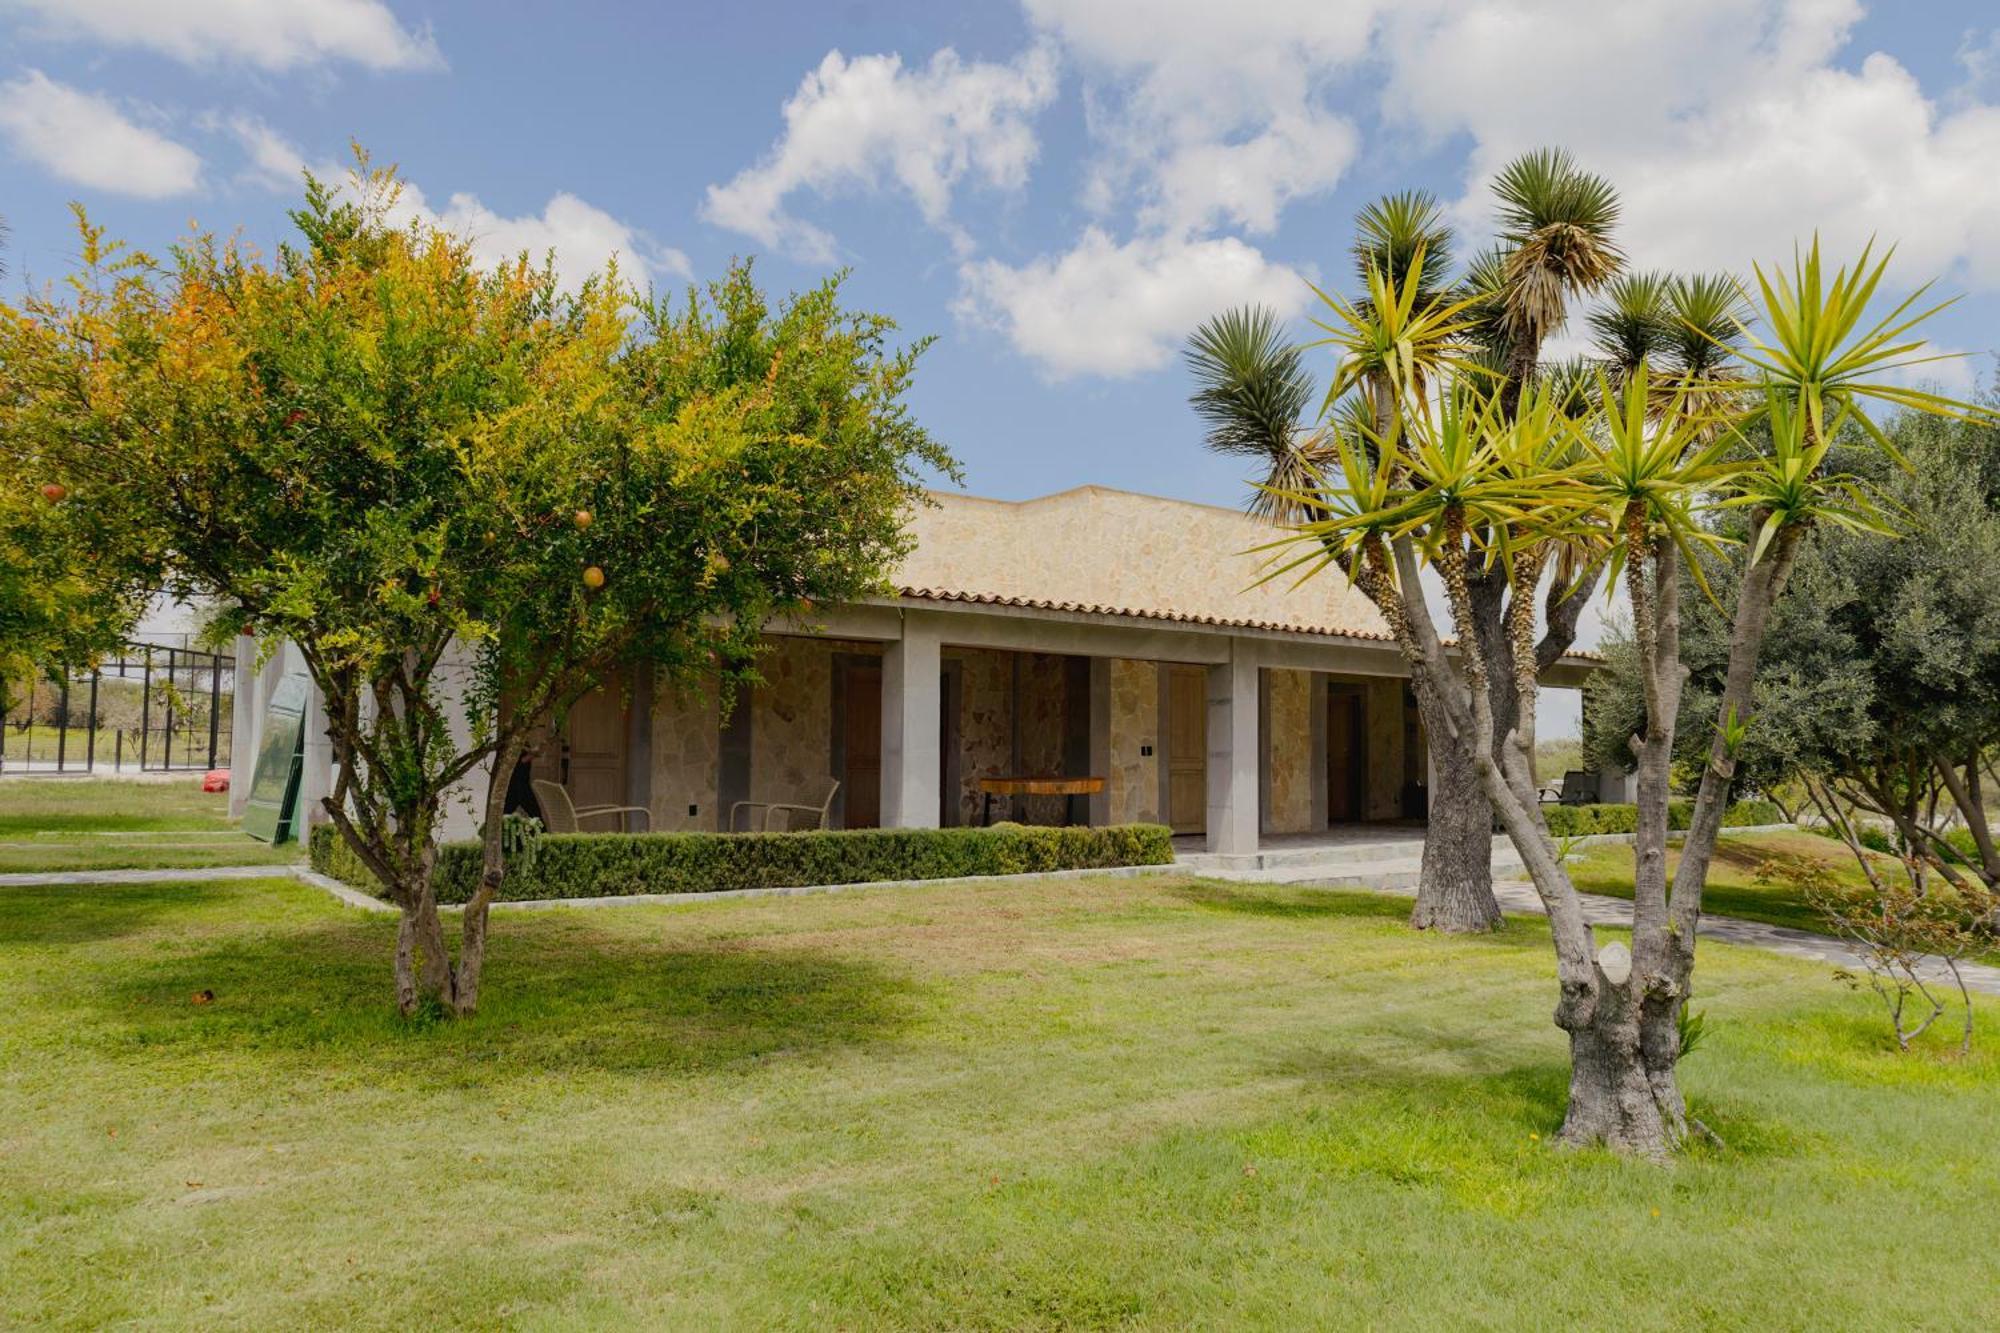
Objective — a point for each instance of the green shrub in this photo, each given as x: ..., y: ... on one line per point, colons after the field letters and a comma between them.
x: 1573, y: 821
x: 591, y: 865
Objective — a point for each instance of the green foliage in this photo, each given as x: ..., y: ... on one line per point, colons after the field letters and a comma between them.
x: 1879, y: 651
x: 1252, y: 393
x: 374, y: 449
x: 1573, y: 821
x: 588, y: 865
x: 1693, y: 1025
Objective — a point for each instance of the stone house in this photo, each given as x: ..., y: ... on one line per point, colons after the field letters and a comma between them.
x: 1091, y: 633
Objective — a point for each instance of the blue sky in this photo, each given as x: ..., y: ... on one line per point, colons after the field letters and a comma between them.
x: 1058, y: 190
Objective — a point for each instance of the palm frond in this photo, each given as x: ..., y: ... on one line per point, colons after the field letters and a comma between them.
x: 1393, y: 230
x: 1630, y: 327
x: 1556, y: 220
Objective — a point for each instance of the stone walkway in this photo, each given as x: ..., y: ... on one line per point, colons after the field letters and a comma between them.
x: 32, y: 878
x: 1516, y: 896
x: 1600, y: 910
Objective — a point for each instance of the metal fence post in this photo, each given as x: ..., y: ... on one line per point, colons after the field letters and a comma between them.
x: 145, y: 707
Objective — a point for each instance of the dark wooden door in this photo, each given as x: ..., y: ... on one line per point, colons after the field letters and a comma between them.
x: 1346, y: 754
x: 1187, y: 749
x: 861, y: 773
x: 595, y: 737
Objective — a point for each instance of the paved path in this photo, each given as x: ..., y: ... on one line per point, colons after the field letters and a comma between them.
x: 1600, y: 910
x: 1516, y: 896
x: 31, y: 878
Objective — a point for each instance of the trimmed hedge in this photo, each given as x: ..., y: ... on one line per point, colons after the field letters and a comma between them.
x: 1570, y: 821
x: 592, y: 865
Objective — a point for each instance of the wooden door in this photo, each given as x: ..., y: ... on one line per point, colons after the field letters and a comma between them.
x: 1346, y: 754
x: 1187, y: 749
x: 595, y: 741
x: 861, y: 736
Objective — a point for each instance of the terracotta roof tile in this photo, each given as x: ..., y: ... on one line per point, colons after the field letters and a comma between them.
x: 1138, y: 613
x: 1175, y: 617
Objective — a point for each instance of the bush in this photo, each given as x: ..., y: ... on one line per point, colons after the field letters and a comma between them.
x: 1573, y: 821
x: 591, y: 865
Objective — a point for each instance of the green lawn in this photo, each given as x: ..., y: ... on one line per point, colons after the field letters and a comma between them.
x: 1136, y: 1102
x: 1732, y: 888
x: 102, y: 824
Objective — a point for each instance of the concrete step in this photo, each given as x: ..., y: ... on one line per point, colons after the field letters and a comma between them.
x: 1310, y: 863
x: 1397, y: 874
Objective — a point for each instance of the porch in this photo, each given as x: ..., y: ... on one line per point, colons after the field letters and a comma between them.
x: 1235, y: 740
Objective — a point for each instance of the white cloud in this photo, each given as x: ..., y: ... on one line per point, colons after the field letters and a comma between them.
x: 854, y: 124
x: 582, y: 235
x: 1726, y: 124
x: 1108, y: 309
x: 86, y: 139
x: 270, y: 34
x: 1208, y: 114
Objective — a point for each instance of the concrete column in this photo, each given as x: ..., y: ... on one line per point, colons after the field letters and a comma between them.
x: 316, y: 771
x: 1100, y: 739
x: 1233, y: 746
x: 465, y: 804
x: 911, y: 671
x: 1316, y: 702
x: 246, y: 707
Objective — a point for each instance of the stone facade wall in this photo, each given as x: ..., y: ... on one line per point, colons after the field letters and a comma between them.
x: 1289, y: 738
x: 1386, y: 766
x: 1135, y: 721
x: 791, y: 721
x: 985, y: 723
x: 687, y: 755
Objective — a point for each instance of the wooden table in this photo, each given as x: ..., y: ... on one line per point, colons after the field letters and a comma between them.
x: 1037, y: 786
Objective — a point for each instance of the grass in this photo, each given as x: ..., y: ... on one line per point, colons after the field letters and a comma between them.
x: 105, y: 824
x: 1135, y: 1102
x: 1732, y: 888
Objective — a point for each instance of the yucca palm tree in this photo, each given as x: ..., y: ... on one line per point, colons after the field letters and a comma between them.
x: 1396, y: 230
x: 1641, y: 477
x: 1707, y: 320
x: 1556, y: 222
x: 1630, y: 328
x: 1253, y: 393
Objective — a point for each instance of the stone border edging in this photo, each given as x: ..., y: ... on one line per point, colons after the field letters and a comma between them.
x: 1595, y: 839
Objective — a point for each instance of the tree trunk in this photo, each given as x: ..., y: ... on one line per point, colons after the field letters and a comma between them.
x: 1455, y: 890
x: 1622, y: 1089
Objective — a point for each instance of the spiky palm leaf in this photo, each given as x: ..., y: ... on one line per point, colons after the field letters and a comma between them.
x: 1483, y: 287
x: 1392, y: 231
x: 1788, y: 486
x: 1253, y: 392
x: 1652, y: 468
x: 1818, y: 355
x: 1556, y: 220
x: 1629, y: 328
x: 1395, y: 340
x: 1706, y: 317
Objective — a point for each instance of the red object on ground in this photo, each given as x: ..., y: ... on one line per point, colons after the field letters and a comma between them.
x: 216, y: 779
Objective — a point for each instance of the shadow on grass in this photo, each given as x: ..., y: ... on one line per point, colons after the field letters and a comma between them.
x: 63, y: 914
x: 1473, y: 1111
x: 557, y: 997
x: 1285, y: 902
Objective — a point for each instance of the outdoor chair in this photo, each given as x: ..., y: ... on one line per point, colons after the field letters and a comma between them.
x: 1579, y: 788
x: 772, y: 809
x: 560, y: 816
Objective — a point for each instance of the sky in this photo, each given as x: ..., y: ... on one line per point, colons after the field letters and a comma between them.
x: 1057, y: 191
